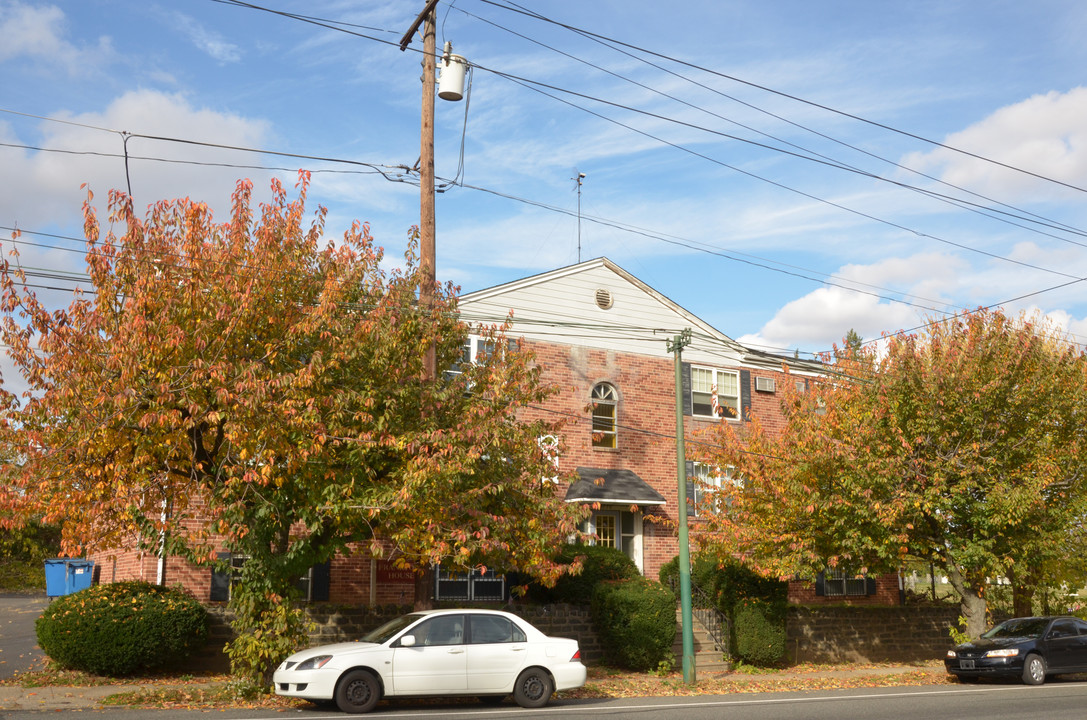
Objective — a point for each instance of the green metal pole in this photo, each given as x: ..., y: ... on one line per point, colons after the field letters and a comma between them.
x: 676, y: 346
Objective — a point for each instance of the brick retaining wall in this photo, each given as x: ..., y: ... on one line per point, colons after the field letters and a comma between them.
x: 817, y: 634
x: 828, y: 634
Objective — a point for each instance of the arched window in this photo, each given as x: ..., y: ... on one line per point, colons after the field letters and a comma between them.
x: 605, y: 405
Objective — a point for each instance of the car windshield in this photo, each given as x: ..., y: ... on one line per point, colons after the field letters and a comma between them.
x: 390, y: 628
x: 1023, y: 627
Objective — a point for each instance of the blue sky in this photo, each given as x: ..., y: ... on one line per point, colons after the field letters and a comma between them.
x: 692, y: 179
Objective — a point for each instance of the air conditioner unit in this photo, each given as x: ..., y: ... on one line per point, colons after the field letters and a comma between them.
x: 765, y: 384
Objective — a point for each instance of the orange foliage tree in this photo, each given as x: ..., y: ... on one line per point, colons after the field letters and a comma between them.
x: 253, y: 386
x: 965, y: 447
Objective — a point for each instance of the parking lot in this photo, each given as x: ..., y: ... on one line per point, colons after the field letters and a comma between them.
x: 19, y: 649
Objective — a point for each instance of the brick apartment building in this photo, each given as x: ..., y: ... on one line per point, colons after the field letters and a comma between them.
x: 601, y: 336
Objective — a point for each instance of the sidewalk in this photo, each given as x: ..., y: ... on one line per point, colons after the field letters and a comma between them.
x: 13, y: 697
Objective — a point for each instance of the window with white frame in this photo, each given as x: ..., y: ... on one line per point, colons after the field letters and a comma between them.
x: 715, y: 393
x: 605, y: 402
x: 474, y: 350
x: 706, y: 482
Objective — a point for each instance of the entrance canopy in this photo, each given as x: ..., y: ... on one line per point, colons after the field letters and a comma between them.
x: 617, y: 487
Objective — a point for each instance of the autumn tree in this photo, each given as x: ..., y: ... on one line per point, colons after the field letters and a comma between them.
x: 963, y: 446
x: 254, y: 386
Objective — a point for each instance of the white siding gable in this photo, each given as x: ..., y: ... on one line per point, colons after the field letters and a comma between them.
x: 561, y: 307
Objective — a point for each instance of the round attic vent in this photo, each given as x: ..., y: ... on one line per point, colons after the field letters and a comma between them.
x: 604, y: 300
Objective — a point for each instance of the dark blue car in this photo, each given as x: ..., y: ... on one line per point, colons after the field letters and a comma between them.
x: 1029, y: 648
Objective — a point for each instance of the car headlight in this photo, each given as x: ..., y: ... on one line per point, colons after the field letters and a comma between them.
x: 951, y: 654
x: 1003, y: 652
x: 314, y: 663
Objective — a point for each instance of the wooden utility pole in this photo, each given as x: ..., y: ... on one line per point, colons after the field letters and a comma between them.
x: 426, y: 181
x: 424, y: 579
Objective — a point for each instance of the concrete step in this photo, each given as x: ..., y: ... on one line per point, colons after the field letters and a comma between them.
x: 707, y: 656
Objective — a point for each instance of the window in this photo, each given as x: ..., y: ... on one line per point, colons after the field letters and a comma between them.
x: 605, y: 404
x: 836, y: 582
x: 715, y: 393
x: 442, y: 630
x: 549, y: 446
x: 1063, y: 629
x: 474, y: 350
x: 614, y: 528
x: 605, y: 531
x: 705, y: 481
x: 313, y: 586
x: 487, y: 629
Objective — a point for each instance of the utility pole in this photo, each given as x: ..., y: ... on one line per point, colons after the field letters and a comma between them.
x: 675, y: 346
x: 424, y: 584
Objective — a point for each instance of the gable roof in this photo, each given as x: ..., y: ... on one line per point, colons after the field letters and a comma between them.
x: 564, y: 305
x: 598, y: 304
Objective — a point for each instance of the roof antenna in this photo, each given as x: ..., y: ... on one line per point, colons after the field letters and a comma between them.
x: 579, y: 178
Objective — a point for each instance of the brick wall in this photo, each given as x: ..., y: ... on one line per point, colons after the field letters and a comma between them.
x: 887, y: 593
x: 823, y: 634
x: 646, y: 446
x: 830, y: 634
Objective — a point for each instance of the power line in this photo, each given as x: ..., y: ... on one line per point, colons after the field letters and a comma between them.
x: 736, y: 257
x: 515, y: 8
x: 529, y: 85
x: 812, y: 155
x: 386, y: 171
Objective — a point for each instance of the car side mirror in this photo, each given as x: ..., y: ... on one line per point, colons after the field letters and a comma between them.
x: 407, y: 641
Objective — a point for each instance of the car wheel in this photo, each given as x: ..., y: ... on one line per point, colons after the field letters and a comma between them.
x: 492, y: 699
x: 533, y: 688
x: 357, y: 692
x: 1034, y: 670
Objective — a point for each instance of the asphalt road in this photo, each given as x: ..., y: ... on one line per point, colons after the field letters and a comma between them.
x: 1053, y: 701
x: 18, y: 645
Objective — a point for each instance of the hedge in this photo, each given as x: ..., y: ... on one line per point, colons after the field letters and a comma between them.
x: 122, y: 628
x: 635, y: 621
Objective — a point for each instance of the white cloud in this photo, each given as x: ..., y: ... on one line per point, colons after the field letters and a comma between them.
x: 822, y: 317
x: 1044, y: 134
x: 207, y: 41
x: 41, y: 190
x: 37, y: 32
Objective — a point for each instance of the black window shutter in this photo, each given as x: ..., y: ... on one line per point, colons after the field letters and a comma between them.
x: 690, y: 489
x: 688, y: 400
x: 820, y: 585
x: 320, y: 581
x: 220, y: 581
x: 870, y: 586
x: 745, y: 395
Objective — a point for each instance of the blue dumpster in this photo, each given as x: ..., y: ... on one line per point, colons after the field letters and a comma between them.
x: 64, y: 576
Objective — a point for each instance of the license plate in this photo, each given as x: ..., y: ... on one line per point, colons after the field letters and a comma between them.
x: 966, y: 664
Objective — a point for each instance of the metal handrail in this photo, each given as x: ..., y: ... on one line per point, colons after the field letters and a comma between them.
x: 708, y: 616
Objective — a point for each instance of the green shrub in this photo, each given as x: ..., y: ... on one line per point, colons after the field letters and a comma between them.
x: 703, y: 572
x: 600, y: 563
x: 759, y: 631
x: 122, y: 628
x: 636, y: 622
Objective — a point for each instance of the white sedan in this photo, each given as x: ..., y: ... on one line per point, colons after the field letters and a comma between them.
x: 485, y: 653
